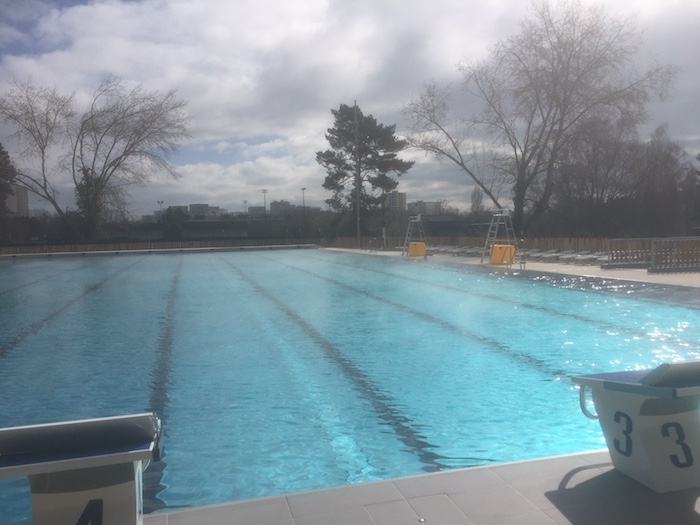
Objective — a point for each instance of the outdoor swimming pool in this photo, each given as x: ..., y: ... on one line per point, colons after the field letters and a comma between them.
x: 280, y: 371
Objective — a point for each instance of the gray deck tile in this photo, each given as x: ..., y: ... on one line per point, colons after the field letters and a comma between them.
x: 353, y: 516
x: 342, y: 498
x: 155, y: 519
x: 580, y: 489
x: 549, y: 468
x: 536, y: 517
x: 448, y: 482
x: 498, y: 501
x: 392, y: 513
x: 438, y: 509
x: 265, y: 511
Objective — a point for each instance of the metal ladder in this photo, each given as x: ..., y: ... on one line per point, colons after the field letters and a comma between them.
x: 500, y: 218
x: 413, y: 220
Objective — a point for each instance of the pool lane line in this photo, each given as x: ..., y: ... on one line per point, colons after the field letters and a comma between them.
x: 25, y: 285
x: 519, y: 357
x: 35, y: 327
x: 158, y: 397
x: 501, y: 299
x: 37, y: 281
x: 601, y: 324
x: 382, y: 403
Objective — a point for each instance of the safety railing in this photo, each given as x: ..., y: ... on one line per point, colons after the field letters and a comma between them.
x: 675, y: 255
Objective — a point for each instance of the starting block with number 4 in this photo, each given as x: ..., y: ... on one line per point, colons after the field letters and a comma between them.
x: 85, y: 472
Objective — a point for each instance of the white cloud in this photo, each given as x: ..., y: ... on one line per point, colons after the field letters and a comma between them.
x: 261, y: 76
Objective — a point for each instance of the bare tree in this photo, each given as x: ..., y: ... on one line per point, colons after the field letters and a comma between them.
x: 568, y: 63
x: 121, y: 139
x: 40, y: 117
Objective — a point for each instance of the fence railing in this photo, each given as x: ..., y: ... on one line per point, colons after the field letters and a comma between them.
x: 149, y: 246
x: 629, y: 253
x: 561, y: 244
x: 657, y: 255
x: 675, y: 255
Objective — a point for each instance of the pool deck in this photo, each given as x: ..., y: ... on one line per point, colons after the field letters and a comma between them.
x: 578, y: 489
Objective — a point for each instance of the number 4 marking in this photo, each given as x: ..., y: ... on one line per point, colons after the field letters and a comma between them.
x: 92, y: 514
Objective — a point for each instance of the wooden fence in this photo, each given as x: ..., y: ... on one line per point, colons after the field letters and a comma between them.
x: 675, y: 255
x: 544, y: 244
x: 119, y: 247
x: 579, y: 245
x: 657, y: 255
x: 629, y: 253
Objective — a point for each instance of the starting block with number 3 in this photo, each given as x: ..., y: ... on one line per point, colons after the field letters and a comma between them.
x: 85, y: 472
x: 651, y: 422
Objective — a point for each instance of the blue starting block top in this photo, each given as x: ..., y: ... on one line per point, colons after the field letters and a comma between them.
x: 667, y: 381
x: 54, y: 447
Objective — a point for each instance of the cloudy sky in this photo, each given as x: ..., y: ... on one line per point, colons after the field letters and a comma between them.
x: 261, y: 76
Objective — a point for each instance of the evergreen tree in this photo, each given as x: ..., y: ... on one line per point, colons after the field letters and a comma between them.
x: 363, y: 156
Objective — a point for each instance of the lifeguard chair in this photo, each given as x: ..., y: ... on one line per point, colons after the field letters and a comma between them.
x: 501, y: 243
x: 418, y: 247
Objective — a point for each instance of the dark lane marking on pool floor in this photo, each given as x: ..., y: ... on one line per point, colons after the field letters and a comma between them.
x: 502, y: 348
x: 382, y: 403
x: 598, y: 323
x: 509, y: 301
x: 37, y: 281
x: 158, y: 393
x: 35, y: 327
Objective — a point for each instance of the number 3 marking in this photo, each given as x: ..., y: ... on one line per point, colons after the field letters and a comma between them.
x: 627, y: 431
x: 680, y: 441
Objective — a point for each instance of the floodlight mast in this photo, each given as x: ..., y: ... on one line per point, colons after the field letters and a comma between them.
x: 357, y: 177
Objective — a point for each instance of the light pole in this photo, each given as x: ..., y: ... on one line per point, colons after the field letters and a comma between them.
x: 245, y: 206
x: 264, y: 192
x: 357, y: 176
x: 160, y: 211
x: 303, y: 212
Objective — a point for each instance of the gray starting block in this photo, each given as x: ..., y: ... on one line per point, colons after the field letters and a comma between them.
x: 651, y: 422
x: 85, y: 472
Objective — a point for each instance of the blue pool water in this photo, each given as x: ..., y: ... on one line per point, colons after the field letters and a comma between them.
x: 280, y: 371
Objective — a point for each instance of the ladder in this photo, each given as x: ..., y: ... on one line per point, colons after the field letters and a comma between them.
x: 414, y: 220
x: 500, y: 218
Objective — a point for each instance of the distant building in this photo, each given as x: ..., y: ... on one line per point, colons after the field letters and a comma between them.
x: 205, y: 211
x: 424, y: 208
x: 395, y: 201
x: 281, y: 208
x: 198, y: 210
x: 18, y: 202
x: 257, y: 211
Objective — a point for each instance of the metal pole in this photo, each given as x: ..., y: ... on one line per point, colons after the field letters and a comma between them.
x: 303, y: 212
x: 357, y: 177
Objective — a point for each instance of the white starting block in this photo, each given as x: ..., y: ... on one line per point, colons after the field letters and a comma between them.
x: 85, y: 472
x: 651, y: 422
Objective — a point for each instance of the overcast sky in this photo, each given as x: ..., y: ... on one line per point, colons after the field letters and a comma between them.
x: 261, y: 76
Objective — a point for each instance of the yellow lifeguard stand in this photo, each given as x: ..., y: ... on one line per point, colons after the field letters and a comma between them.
x: 501, y: 249
x: 419, y: 247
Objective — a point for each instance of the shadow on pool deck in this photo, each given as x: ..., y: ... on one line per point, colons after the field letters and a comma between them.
x: 578, y: 489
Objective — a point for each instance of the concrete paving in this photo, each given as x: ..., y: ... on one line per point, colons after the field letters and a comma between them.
x: 579, y: 489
